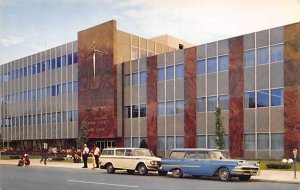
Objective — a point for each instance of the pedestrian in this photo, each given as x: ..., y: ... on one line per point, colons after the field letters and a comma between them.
x: 44, y: 154
x: 96, y: 155
x: 85, y: 155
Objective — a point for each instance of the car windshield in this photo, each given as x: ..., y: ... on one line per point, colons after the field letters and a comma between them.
x: 142, y: 152
x: 216, y: 155
x: 179, y: 155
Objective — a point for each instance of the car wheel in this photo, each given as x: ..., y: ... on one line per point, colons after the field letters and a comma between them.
x: 110, y: 169
x: 245, y: 177
x: 177, y: 173
x: 162, y: 173
x: 130, y: 172
x: 142, y: 169
x: 224, y: 174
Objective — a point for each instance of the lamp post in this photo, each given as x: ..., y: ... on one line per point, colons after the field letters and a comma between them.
x: 295, y: 167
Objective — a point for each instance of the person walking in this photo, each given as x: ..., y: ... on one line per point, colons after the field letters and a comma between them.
x: 96, y: 155
x: 85, y: 155
x: 44, y: 153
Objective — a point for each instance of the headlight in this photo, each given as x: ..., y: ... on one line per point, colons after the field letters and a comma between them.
x: 240, y: 163
x: 257, y: 164
x: 153, y: 163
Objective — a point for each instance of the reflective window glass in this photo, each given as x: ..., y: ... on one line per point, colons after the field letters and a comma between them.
x: 52, y: 63
x: 179, y: 107
x: 38, y: 67
x: 63, y: 61
x: 75, y: 58
x: 223, y: 63
x: 277, y: 97
x: 201, y: 104
x: 201, y: 68
x: 263, y: 98
x: 58, y: 62
x: 143, y: 110
x: 70, y: 59
x: 249, y: 58
x: 211, y: 65
x: 135, y: 78
x: 127, y: 80
x: 277, y: 53
x: 170, y: 108
x: 170, y: 72
x: 262, y: 55
x: 127, y: 111
x: 161, y: 108
x: 224, y: 102
x: 249, y: 100
x: 143, y: 77
x: 161, y: 74
x: 211, y: 103
x: 179, y: 71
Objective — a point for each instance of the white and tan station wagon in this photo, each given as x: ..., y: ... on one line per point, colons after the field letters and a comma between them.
x: 131, y: 159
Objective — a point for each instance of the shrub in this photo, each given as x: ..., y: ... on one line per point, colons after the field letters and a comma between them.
x: 279, y: 166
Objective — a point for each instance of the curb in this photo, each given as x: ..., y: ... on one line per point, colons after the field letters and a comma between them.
x: 276, y: 181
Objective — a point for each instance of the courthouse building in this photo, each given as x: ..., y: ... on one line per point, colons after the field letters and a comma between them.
x: 164, y: 90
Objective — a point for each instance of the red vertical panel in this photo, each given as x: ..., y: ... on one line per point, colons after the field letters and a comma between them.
x: 152, y: 103
x: 236, y: 91
x: 190, y: 93
x: 291, y: 89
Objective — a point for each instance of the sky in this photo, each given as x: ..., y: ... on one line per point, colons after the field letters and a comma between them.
x: 30, y: 26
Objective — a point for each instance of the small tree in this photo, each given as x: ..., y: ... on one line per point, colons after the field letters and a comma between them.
x: 143, y: 144
x: 82, y: 135
x: 220, y: 131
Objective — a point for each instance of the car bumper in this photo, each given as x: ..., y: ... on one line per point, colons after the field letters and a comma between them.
x: 247, y: 171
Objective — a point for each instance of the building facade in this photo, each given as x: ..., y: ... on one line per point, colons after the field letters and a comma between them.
x: 128, y: 88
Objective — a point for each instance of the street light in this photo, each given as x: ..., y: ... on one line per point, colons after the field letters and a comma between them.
x: 295, y: 167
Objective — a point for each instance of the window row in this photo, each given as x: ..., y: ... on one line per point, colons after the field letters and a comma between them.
x: 263, y: 98
x: 45, y: 118
x: 41, y: 93
x: 212, y: 103
x: 137, y: 53
x: 170, y: 142
x: 170, y: 107
x: 54, y: 63
x: 262, y: 55
x: 137, y: 78
x: 136, y: 111
x: 170, y: 72
x: 212, y: 65
x: 277, y: 141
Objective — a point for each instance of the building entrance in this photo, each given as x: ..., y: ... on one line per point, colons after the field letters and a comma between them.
x: 106, y: 144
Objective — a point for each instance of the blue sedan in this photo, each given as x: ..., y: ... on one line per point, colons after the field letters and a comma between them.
x: 207, y: 162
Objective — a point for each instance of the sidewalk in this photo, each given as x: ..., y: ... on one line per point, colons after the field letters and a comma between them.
x: 265, y: 176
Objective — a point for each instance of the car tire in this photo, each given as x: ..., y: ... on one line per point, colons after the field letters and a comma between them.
x: 162, y: 173
x: 130, y: 172
x: 224, y: 174
x: 245, y: 177
x: 177, y: 173
x: 142, y: 169
x: 110, y: 168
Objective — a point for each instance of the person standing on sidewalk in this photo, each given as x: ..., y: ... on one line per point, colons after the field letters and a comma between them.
x: 96, y: 155
x: 44, y: 153
x: 85, y: 155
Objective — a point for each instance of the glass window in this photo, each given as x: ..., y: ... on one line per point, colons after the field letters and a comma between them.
x: 53, y: 92
x: 161, y: 74
x: 135, y: 111
x: 161, y: 108
x: 25, y: 96
x: 170, y: 143
x: 75, y: 87
x: 63, y: 61
x: 211, y: 142
x: 33, y: 69
x: 39, y: 119
x: 17, y: 73
x: 43, y: 66
x: 29, y: 120
x: 53, y: 117
x: 25, y: 71
x: 179, y: 71
x: 249, y: 58
x: 38, y: 67
x: 64, y: 88
x: 249, y: 100
x: 161, y: 143
x: 127, y: 80
x: 58, y: 90
x: 69, y: 87
x: 224, y: 102
x: 34, y: 94
x: 135, y: 79
x: 277, y: 53
x: 223, y: 63
x: 34, y: 119
x: 201, y: 141
x: 127, y: 112
x: 43, y: 118
x: 39, y: 93
x: 262, y: 141
x: 70, y: 116
x: 52, y: 63
x: 44, y: 92
x: 179, y: 142
x: 211, y: 103
x: 170, y: 108
x: 211, y: 65
x: 48, y: 65
x: 48, y: 91
x: 143, y: 77
x: 134, y: 53
x: 201, y: 104
x: 179, y: 107
x: 249, y: 142
x: 49, y: 119
x: 277, y: 97
x: 21, y: 72
x: 262, y: 55
x: 201, y: 67
x: 277, y: 141
x: 58, y: 115
x: 170, y: 72
x: 70, y: 59
x: 263, y: 98
x: 75, y: 58
x: 58, y: 62
x: 143, y: 110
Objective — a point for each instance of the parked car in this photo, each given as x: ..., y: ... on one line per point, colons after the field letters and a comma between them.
x: 131, y: 159
x: 207, y: 162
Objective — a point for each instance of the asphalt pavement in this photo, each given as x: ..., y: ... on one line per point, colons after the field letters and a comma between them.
x: 51, y: 178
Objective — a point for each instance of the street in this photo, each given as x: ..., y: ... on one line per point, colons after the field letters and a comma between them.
x: 47, y: 178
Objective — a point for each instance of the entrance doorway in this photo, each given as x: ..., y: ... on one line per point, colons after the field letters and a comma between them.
x: 106, y: 144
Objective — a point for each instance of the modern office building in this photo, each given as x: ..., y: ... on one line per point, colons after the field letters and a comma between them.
x: 128, y: 88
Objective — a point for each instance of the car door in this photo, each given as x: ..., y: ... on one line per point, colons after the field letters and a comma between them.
x: 129, y: 160
x: 118, y: 160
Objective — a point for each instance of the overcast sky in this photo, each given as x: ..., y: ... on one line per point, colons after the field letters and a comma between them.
x: 30, y: 26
